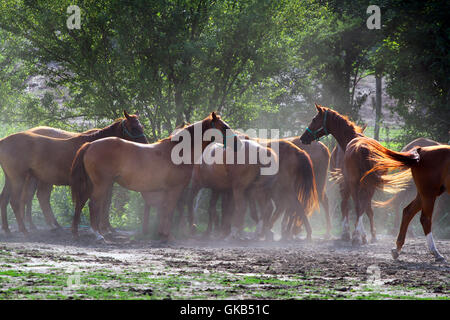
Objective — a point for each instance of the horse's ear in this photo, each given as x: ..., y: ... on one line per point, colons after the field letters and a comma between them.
x: 364, y: 128
x: 318, y: 107
x: 125, y: 113
x: 213, y: 116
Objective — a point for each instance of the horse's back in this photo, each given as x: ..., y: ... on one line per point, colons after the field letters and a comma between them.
x: 419, y: 142
x: 52, y: 132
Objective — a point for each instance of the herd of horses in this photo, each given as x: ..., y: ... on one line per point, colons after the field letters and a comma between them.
x: 91, y: 162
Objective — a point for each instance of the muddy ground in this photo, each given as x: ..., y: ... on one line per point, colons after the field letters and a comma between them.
x: 51, y: 265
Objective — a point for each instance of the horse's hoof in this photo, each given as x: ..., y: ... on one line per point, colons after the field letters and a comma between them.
x: 346, y: 236
x: 440, y: 259
x: 357, y: 241
x: 374, y: 239
x: 363, y: 239
x: 395, y: 253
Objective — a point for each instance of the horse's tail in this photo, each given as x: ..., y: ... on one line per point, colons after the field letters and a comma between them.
x: 80, y: 183
x: 336, y: 175
x: 386, y: 160
x: 388, y: 203
x: 305, y: 183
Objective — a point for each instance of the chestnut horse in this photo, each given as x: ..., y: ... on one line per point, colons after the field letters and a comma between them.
x: 408, y: 194
x: 25, y: 155
x: 43, y: 189
x: 430, y: 169
x: 356, y: 163
x: 292, y: 188
x: 294, y: 191
x: 240, y: 177
x: 142, y: 168
x: 320, y: 158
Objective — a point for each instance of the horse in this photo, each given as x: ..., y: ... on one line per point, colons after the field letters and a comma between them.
x: 236, y: 179
x: 220, y: 186
x: 320, y: 157
x: 164, y: 166
x: 430, y: 170
x: 25, y: 155
x: 294, y: 190
x: 294, y: 187
x: 43, y: 189
x: 356, y: 163
x: 410, y: 190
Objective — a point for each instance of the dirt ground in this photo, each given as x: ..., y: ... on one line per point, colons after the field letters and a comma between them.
x: 51, y: 265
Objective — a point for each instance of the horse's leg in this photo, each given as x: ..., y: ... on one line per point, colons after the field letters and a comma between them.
x: 79, y: 204
x: 96, y: 207
x: 240, y: 208
x: 4, y: 200
x: 345, y: 196
x: 227, y: 213
x: 266, y: 208
x: 260, y: 198
x: 408, y: 213
x: 43, y: 194
x: 326, y: 207
x: 300, y: 210
x: 29, y: 190
x: 106, y: 207
x: 192, y: 194
x: 17, y: 204
x: 370, y: 214
x: 426, y: 221
x: 212, y: 212
x: 166, y: 212
x: 360, y: 201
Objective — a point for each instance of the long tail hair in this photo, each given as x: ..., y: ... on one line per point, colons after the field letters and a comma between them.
x: 305, y: 183
x: 386, y: 160
x: 80, y: 183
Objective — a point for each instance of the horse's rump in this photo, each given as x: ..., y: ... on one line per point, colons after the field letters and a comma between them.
x: 80, y: 182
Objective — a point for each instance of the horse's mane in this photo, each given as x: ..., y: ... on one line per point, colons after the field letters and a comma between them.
x: 343, y: 121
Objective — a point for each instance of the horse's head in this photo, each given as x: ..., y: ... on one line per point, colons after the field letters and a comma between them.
x: 318, y: 126
x: 132, y: 129
x: 213, y: 121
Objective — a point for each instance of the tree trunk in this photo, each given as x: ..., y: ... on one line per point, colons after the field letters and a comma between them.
x: 377, y: 106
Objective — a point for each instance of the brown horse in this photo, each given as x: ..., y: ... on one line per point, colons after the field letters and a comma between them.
x: 144, y: 168
x: 356, y: 163
x: 320, y: 157
x: 43, y: 189
x: 292, y: 188
x: 408, y: 194
x: 294, y: 191
x: 430, y: 169
x: 25, y: 155
x: 238, y: 179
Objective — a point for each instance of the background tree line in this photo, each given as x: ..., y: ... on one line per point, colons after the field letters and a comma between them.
x: 260, y: 63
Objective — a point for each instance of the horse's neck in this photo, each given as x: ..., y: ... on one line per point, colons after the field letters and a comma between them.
x: 343, y: 133
x: 108, y: 131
